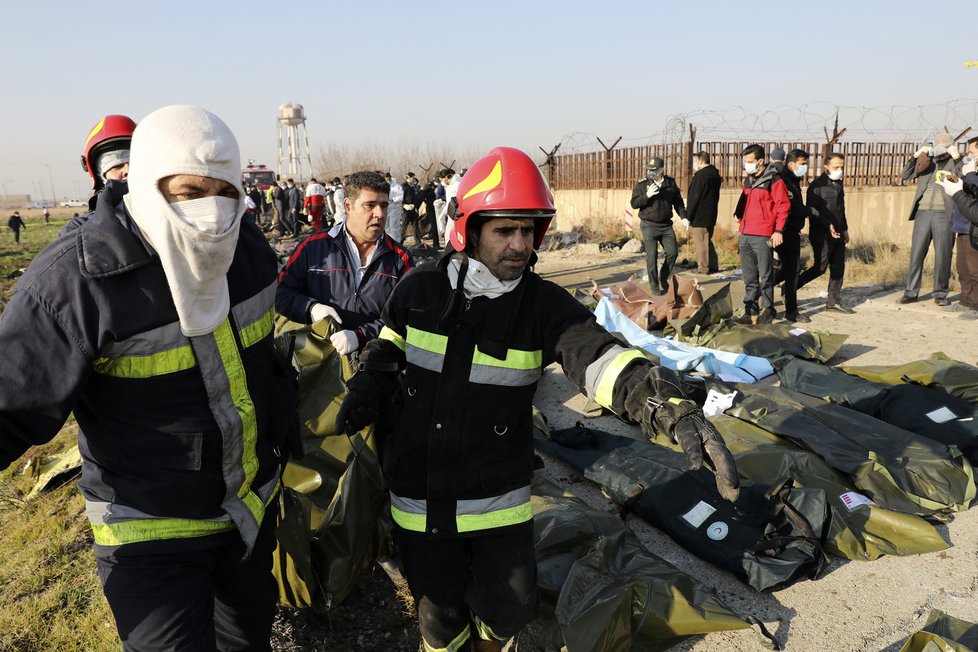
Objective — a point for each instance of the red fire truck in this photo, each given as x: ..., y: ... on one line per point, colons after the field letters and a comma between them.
x: 258, y: 175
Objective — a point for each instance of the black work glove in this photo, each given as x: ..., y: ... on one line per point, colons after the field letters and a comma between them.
x: 666, y: 409
x: 366, y: 392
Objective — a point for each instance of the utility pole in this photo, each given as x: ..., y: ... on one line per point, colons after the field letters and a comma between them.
x: 54, y: 196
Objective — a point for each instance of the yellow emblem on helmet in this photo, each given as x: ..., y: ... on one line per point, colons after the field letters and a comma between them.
x: 97, y: 128
x: 487, y: 184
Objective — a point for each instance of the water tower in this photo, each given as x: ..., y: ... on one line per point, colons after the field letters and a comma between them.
x: 292, y: 120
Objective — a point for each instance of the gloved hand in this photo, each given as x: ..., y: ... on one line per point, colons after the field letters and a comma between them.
x: 321, y: 311
x: 409, y: 207
x: 952, y: 149
x: 924, y: 149
x: 366, y: 391
x: 652, y: 191
x: 968, y: 168
x: 660, y: 405
x: 345, y: 342
x: 685, y: 223
x: 951, y: 188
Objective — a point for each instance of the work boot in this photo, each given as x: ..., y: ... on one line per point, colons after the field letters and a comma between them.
x: 745, y: 319
x: 832, y: 302
x: 767, y: 316
x: 797, y: 317
x: 906, y: 298
x: 942, y: 301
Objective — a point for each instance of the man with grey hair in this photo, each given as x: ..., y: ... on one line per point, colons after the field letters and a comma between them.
x: 931, y: 215
x: 152, y: 324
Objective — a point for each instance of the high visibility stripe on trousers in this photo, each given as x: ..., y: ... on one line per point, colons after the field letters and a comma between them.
x: 453, y: 646
x: 470, y: 515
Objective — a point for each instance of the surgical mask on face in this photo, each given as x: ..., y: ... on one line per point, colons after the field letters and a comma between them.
x: 652, y: 174
x: 968, y: 159
x: 213, y: 215
x: 750, y: 168
x: 801, y: 171
x: 835, y: 175
x: 938, y: 150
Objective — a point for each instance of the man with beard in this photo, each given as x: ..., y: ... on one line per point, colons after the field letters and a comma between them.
x: 931, y: 215
x: 348, y: 272
x: 152, y: 324
x: 473, y: 333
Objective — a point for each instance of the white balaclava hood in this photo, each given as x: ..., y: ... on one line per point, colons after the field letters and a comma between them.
x: 184, y: 139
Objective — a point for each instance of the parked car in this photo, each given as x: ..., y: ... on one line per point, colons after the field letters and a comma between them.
x: 40, y: 204
x: 73, y: 203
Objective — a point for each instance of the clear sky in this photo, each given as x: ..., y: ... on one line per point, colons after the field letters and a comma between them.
x: 468, y: 73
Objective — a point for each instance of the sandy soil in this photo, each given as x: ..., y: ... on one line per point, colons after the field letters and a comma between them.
x: 856, y: 605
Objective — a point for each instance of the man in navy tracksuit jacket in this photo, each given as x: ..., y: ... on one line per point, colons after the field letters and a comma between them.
x: 346, y: 273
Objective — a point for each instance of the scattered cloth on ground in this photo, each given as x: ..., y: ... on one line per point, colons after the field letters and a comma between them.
x: 735, y: 367
x: 770, y: 538
x: 600, y: 589
x: 927, y: 411
x: 896, y: 469
x: 943, y: 633
x: 954, y: 377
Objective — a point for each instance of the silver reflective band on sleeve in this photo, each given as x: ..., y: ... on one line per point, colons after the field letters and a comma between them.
x: 422, y: 358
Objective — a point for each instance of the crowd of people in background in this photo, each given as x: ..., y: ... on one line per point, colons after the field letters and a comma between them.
x: 416, y: 210
x: 773, y: 211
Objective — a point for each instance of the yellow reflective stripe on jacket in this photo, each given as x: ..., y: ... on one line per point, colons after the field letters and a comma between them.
x: 604, y: 391
x: 471, y: 515
x: 392, y: 336
x: 147, y: 366
x: 515, y: 359
x: 454, y: 646
x: 426, y: 340
x: 254, y: 333
x: 155, y: 529
x: 243, y: 404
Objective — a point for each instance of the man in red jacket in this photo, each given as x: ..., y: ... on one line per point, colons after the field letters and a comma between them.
x: 761, y: 213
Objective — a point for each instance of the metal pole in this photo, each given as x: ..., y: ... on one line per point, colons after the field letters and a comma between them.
x: 54, y: 195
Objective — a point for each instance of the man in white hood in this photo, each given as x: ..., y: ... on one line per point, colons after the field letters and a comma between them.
x: 153, y: 324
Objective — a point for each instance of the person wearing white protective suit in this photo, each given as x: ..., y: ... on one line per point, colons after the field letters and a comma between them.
x: 348, y: 272
x: 395, y: 210
x: 152, y: 323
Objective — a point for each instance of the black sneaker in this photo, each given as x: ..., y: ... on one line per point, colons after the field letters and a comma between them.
x: 907, y: 299
x: 745, y: 319
x: 942, y: 301
x: 797, y: 317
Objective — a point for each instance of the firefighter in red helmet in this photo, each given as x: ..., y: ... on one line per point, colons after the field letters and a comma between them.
x: 466, y: 339
x: 105, y: 156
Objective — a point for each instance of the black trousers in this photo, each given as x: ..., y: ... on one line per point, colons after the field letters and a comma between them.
x: 487, y: 581
x: 789, y: 251
x: 654, y: 233
x: 828, y: 253
x: 208, y: 599
x: 16, y: 234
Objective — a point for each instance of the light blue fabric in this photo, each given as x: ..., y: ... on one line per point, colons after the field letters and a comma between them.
x: 738, y: 367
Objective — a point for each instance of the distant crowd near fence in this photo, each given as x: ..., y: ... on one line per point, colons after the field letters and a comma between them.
x: 868, y: 164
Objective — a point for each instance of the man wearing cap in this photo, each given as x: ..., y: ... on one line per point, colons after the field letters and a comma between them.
x: 152, y: 324
x: 656, y: 197
x: 931, y: 216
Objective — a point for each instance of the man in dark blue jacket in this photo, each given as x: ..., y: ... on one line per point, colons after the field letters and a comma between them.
x: 347, y: 273
x: 152, y: 323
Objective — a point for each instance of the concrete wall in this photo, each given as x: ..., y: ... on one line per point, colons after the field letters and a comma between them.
x: 874, y: 214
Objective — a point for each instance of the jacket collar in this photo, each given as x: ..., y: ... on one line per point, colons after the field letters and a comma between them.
x: 338, y: 233
x: 108, y: 245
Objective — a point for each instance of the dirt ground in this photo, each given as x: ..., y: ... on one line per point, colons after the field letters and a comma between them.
x: 855, y: 605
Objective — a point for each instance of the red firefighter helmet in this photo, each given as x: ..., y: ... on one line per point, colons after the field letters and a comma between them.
x: 108, y: 133
x: 505, y: 181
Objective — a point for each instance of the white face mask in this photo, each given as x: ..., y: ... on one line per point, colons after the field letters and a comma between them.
x: 801, y: 171
x: 835, y: 175
x: 750, y: 168
x: 213, y: 215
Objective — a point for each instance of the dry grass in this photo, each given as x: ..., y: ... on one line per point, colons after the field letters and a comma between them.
x: 50, y: 596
